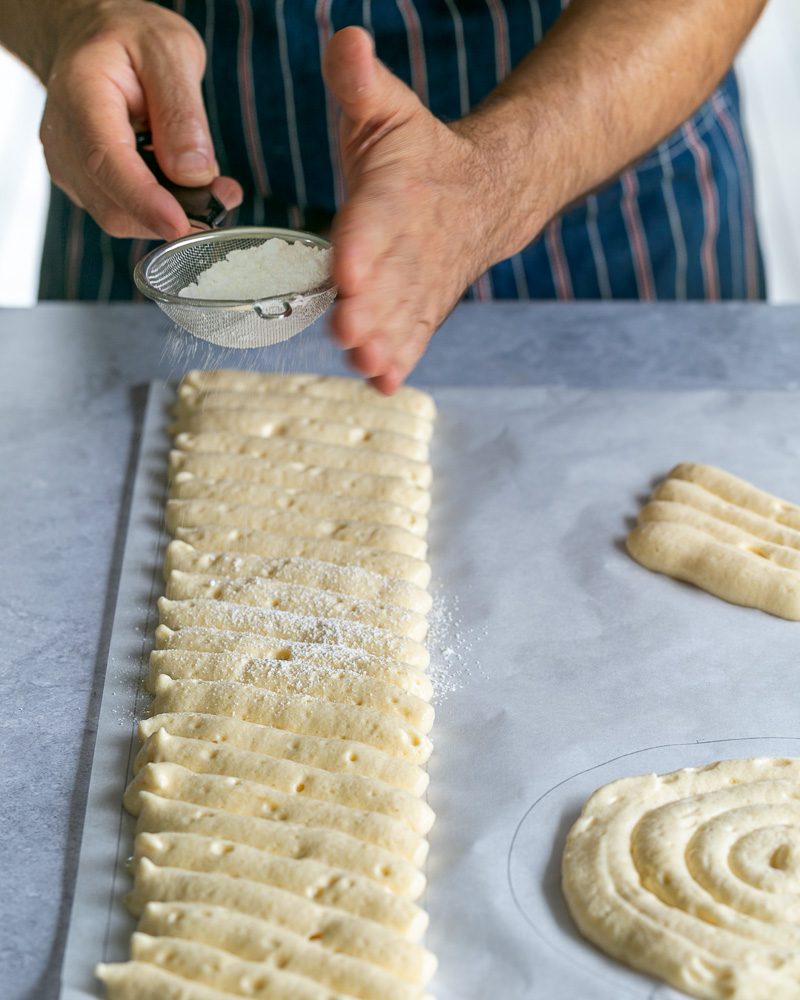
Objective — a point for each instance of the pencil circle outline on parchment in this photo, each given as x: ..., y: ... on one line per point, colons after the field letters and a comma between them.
x: 549, y: 941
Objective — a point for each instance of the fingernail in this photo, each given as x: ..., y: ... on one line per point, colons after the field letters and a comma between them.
x: 193, y: 163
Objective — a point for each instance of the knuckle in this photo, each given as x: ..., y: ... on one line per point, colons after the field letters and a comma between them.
x: 47, y: 137
x: 57, y: 175
x: 179, y: 117
x: 195, y: 44
x: 177, y: 34
x: 96, y: 161
x: 54, y: 166
x: 115, y: 223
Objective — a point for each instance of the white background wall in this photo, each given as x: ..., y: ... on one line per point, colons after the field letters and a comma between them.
x: 770, y: 75
x: 23, y: 183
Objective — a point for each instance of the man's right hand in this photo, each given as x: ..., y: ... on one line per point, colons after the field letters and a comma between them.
x: 115, y: 64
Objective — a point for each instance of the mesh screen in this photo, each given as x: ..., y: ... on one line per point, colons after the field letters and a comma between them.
x: 174, y: 267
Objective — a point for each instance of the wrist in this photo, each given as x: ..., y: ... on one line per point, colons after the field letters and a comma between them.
x: 521, y: 185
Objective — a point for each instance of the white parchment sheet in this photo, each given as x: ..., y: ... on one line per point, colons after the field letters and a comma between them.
x: 578, y: 667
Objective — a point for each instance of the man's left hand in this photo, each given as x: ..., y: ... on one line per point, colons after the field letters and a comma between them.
x: 412, y: 234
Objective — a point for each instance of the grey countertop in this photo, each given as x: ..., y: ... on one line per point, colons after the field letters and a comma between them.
x: 72, y: 392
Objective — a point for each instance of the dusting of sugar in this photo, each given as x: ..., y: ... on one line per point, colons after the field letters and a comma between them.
x: 341, y: 578
x: 289, y: 625
x: 273, y: 544
x: 320, y: 603
x: 310, y: 676
x: 451, y: 645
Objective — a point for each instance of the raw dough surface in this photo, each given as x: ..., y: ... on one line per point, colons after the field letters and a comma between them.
x: 739, y: 492
x: 278, y: 788
x: 322, y: 505
x: 194, y: 513
x: 731, y: 539
x: 354, y: 580
x: 297, y: 405
x: 207, y: 962
x: 256, y: 941
x: 298, y: 598
x: 294, y: 677
x: 406, y: 399
x: 331, y: 928
x: 159, y: 815
x: 297, y: 713
x: 337, y: 456
x: 256, y: 423
x: 288, y: 776
x: 213, y: 640
x: 143, y: 981
x: 249, y: 798
x: 340, y: 756
x: 694, y: 876
x: 288, y: 625
x: 271, y: 545
x: 304, y: 476
x: 302, y: 877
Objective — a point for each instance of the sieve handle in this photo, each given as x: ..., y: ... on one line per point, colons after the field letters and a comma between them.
x: 199, y: 203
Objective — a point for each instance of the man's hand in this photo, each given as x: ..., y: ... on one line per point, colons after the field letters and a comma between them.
x: 431, y: 206
x: 413, y: 232
x: 115, y: 64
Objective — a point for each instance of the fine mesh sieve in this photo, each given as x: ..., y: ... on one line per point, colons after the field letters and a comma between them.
x: 229, y: 323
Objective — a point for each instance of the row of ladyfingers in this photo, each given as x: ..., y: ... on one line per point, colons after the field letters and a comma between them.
x: 279, y: 786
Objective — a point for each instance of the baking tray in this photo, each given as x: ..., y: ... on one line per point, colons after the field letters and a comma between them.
x: 565, y: 665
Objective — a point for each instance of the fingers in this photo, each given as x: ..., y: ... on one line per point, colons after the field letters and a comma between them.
x: 398, y: 327
x: 368, y: 93
x: 389, y: 383
x: 381, y: 315
x: 115, y: 220
x: 358, y: 244
x: 375, y: 265
x: 228, y: 191
x: 177, y: 116
x: 128, y: 68
x: 111, y: 165
x: 370, y: 359
x: 387, y: 360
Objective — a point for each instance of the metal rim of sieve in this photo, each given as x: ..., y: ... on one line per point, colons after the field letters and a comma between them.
x: 288, y: 301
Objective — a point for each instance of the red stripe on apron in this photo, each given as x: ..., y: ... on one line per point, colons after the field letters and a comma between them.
x: 737, y: 148
x: 558, y: 260
x: 645, y: 283
x: 322, y: 14
x: 708, y: 193
x: 74, y: 251
x: 255, y: 152
x: 416, y: 49
x: 501, y: 50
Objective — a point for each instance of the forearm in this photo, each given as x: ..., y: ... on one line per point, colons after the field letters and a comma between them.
x: 610, y: 80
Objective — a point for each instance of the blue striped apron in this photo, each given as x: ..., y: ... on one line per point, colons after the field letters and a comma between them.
x: 680, y: 224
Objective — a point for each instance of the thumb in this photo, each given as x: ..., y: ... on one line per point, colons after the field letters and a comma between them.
x: 369, y: 94
x: 177, y: 117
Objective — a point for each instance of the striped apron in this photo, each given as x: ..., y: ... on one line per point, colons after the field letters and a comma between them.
x: 680, y: 224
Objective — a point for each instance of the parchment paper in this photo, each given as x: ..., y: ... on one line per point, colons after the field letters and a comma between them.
x: 100, y: 927
x: 577, y: 667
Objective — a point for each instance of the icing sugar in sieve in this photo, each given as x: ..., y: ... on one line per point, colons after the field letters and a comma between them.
x: 243, y: 287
